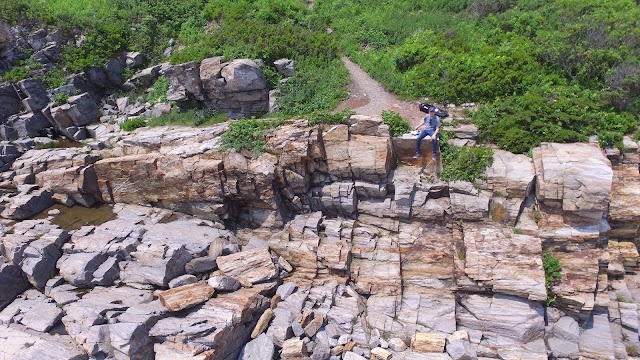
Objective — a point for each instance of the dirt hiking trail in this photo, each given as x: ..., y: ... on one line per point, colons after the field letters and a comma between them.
x: 368, y: 97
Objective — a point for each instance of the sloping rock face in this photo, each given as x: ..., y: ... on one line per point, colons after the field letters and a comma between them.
x: 323, y: 247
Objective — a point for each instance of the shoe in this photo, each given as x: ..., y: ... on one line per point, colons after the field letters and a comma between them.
x: 417, y: 155
x: 434, y: 158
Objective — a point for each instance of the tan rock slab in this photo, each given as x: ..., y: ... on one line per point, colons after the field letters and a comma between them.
x: 509, y: 263
x: 254, y: 265
x: 263, y: 323
x: 186, y: 296
x: 380, y: 354
x: 428, y: 342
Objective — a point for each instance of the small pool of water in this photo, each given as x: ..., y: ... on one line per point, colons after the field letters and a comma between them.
x: 75, y: 217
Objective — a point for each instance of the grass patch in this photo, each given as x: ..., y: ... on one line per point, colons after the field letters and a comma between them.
x: 132, y: 124
x: 248, y: 134
x: 552, y: 273
x: 159, y: 90
x: 60, y: 98
x: 397, y: 124
x: 326, y: 117
x: 466, y: 163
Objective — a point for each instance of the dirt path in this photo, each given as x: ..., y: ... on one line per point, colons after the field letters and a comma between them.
x: 368, y: 97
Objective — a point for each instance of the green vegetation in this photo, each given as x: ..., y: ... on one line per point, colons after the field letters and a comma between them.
x: 54, y: 78
x: 552, y: 273
x: 159, y: 90
x: 397, y: 124
x: 17, y: 73
x: 547, y: 71
x: 537, y: 216
x: 132, y: 124
x: 190, y: 117
x: 248, y: 134
x: 632, y: 350
x: 466, y: 163
x: 325, y: 117
x: 60, y: 98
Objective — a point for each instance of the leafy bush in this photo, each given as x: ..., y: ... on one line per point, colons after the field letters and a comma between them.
x: 315, y: 86
x: 17, y: 73
x: 552, y: 268
x: 248, y: 134
x: 610, y: 138
x: 557, y: 114
x: 325, y: 117
x: 466, y: 163
x: 132, y: 124
x: 60, y: 98
x: 54, y: 78
x: 159, y: 90
x: 397, y: 124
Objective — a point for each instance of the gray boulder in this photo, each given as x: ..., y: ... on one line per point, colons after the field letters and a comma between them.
x: 36, y: 94
x: 9, y: 102
x: 224, y: 283
x: 34, y: 246
x: 30, y: 124
x: 134, y: 59
x: 285, y: 67
x: 12, y: 282
x: 184, y: 82
x: 27, y: 204
x: 33, y: 310
x: 260, y: 348
x: 83, y: 110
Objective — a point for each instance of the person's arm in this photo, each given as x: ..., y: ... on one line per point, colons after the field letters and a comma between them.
x: 416, y: 128
x: 435, y: 133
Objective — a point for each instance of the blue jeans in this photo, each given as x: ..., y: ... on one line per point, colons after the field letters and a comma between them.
x: 423, y: 134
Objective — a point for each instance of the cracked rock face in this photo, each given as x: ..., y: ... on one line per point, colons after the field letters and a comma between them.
x: 323, y: 247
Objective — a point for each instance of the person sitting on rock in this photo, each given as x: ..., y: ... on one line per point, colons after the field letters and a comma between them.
x: 431, y: 128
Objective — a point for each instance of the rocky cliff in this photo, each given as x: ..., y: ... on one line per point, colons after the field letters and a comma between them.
x: 333, y: 244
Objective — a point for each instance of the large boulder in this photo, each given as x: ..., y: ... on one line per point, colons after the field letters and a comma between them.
x: 576, y: 178
x: 36, y: 94
x: 185, y: 83
x: 237, y: 88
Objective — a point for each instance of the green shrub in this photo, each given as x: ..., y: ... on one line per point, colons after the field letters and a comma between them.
x: 54, y: 78
x: 60, y: 98
x: 397, y: 124
x: 316, y: 86
x: 467, y: 163
x: 552, y: 268
x: 132, y: 124
x: 325, y: 117
x: 159, y: 90
x: 17, y: 73
x: 610, y: 138
x: 248, y: 134
x: 632, y: 350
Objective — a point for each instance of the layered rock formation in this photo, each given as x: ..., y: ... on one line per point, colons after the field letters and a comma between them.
x: 330, y: 245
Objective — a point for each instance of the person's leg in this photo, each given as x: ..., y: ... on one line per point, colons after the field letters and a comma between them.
x: 423, y: 134
x: 435, y: 148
